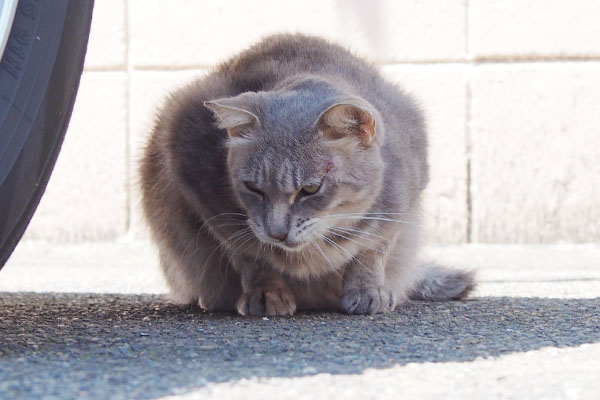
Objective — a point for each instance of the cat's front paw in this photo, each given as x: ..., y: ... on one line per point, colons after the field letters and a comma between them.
x: 368, y: 300
x: 267, y: 302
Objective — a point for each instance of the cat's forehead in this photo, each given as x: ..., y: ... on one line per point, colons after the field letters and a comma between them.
x: 291, y: 116
x: 283, y: 177
x: 296, y: 107
x: 276, y: 162
x: 297, y: 152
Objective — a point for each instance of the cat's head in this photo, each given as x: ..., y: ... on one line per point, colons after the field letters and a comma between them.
x: 302, y: 160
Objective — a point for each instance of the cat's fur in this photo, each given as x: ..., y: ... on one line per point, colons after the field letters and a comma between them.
x: 223, y: 173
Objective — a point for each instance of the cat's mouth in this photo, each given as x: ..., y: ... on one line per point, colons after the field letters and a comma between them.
x: 287, y: 244
x: 291, y: 246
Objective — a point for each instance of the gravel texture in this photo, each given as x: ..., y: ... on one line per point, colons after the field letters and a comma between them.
x: 532, y: 331
x: 123, y: 346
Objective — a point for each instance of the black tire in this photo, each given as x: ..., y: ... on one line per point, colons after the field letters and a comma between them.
x: 39, y: 77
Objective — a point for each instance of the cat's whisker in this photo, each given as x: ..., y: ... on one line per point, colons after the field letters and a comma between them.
x: 242, y: 244
x: 367, y: 214
x: 366, y: 218
x: 344, y: 251
x: 231, y: 241
x: 196, y: 246
x: 238, y: 243
x: 223, y: 225
x: 230, y: 213
x: 235, y: 236
x: 205, y: 223
x: 260, y: 249
x: 234, y: 241
x: 225, y: 214
x: 352, y: 233
x: 333, y: 269
x: 224, y: 244
x: 361, y: 232
x: 355, y: 241
x: 314, y: 242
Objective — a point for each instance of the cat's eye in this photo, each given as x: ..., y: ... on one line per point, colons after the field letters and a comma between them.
x: 250, y: 186
x: 310, y: 189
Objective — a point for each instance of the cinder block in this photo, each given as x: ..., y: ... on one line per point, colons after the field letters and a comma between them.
x: 201, y: 33
x: 536, y: 153
x: 535, y: 28
x: 86, y: 198
x: 148, y: 91
x: 107, y: 44
x: 442, y: 93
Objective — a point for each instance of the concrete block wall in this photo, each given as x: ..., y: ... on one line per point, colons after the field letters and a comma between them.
x: 511, y: 90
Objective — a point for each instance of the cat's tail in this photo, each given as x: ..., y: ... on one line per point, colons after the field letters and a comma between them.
x: 439, y: 283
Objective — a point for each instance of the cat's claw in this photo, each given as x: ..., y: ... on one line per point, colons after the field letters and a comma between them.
x: 369, y: 300
x: 267, y: 302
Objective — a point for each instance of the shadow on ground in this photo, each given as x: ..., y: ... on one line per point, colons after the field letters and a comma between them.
x: 115, y: 346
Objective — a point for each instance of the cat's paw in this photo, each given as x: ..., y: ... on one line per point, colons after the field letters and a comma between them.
x: 267, y: 302
x: 368, y: 300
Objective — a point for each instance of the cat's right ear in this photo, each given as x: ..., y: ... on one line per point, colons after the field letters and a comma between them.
x: 233, y: 118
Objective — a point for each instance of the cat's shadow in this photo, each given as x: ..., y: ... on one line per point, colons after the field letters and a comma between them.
x: 168, y: 347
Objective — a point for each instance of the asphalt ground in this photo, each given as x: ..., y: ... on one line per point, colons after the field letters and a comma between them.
x: 92, y: 321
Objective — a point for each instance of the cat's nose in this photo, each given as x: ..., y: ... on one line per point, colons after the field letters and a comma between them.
x: 278, y: 234
x: 277, y: 220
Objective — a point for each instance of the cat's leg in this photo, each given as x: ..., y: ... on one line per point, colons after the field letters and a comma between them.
x: 323, y: 293
x: 197, y: 271
x: 265, y: 291
x: 364, y: 289
x: 380, y: 278
x: 401, y: 266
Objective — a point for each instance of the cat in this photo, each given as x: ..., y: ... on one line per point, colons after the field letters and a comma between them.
x: 289, y: 178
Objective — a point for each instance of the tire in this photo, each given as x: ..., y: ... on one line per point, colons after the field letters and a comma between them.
x: 39, y: 76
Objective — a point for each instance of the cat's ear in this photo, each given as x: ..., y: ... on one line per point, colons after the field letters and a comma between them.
x: 347, y: 120
x: 232, y: 116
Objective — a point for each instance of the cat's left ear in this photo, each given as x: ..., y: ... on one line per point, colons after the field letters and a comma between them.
x: 348, y: 119
x: 232, y: 114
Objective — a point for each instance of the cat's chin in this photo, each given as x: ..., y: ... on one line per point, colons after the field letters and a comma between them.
x: 292, y: 247
x: 286, y: 246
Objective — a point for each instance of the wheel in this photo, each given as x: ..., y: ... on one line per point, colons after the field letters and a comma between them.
x: 39, y: 75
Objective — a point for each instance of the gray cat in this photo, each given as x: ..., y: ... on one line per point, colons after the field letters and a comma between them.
x: 290, y: 178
